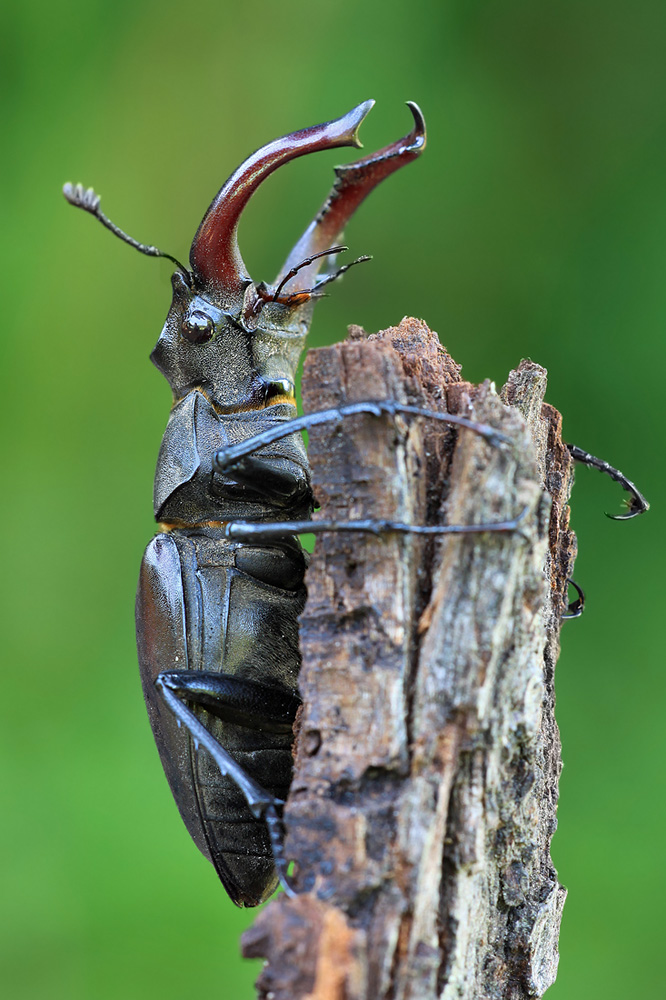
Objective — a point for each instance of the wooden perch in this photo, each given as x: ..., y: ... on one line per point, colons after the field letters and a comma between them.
x: 427, y: 758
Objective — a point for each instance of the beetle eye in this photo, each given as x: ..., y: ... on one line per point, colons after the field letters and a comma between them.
x: 198, y: 327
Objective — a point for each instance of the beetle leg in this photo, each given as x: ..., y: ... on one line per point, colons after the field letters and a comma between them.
x: 575, y: 608
x: 236, y: 699
x: 260, y: 802
x: 636, y: 504
x: 266, y: 479
x: 243, y: 531
x: 225, y: 458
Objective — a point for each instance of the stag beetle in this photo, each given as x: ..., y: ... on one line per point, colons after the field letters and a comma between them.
x: 219, y: 598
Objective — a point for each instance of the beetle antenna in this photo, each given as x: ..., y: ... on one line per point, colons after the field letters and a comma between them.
x: 88, y: 200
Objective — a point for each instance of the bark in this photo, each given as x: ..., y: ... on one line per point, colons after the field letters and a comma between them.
x: 427, y: 757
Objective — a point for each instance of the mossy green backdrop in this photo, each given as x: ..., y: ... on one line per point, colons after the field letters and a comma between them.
x: 533, y: 226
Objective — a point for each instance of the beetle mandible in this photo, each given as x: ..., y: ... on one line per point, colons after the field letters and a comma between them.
x: 219, y: 598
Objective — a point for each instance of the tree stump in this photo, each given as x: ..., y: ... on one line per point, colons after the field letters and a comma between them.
x: 427, y: 755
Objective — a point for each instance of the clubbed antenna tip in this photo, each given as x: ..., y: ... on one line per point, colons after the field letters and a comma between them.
x: 81, y: 197
x: 88, y: 200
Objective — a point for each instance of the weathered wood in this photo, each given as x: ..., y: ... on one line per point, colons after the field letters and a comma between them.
x: 427, y: 763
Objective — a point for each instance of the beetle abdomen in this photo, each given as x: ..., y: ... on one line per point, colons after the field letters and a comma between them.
x: 206, y: 604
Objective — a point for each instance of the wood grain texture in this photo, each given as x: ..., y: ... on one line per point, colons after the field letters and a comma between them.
x: 427, y: 755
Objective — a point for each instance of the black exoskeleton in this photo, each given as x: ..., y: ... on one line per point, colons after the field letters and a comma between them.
x: 221, y: 585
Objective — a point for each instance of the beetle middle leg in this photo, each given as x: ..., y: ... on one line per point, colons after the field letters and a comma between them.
x: 636, y: 503
x: 240, y: 460
x: 258, y: 530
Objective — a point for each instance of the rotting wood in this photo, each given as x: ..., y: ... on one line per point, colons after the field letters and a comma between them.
x: 428, y: 756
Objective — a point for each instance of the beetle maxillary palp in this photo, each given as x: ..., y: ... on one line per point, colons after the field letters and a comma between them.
x: 299, y: 267
x: 266, y: 294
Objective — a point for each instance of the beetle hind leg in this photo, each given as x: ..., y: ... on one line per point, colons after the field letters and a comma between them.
x: 576, y: 607
x: 261, y: 803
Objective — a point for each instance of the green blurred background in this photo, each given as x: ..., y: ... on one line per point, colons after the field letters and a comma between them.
x: 534, y: 225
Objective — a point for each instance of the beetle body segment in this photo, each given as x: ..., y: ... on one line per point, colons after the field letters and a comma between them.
x: 188, y: 491
x: 209, y: 605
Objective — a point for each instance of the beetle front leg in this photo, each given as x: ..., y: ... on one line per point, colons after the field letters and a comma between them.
x: 266, y: 479
x: 261, y: 803
x: 227, y: 459
x: 637, y: 504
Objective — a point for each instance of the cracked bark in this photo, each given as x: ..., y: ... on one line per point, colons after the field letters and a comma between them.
x: 427, y: 758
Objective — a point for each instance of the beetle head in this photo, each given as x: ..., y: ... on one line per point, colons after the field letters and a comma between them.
x: 237, y: 340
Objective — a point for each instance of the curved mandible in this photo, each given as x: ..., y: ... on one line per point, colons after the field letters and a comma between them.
x: 353, y: 183
x: 215, y: 258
